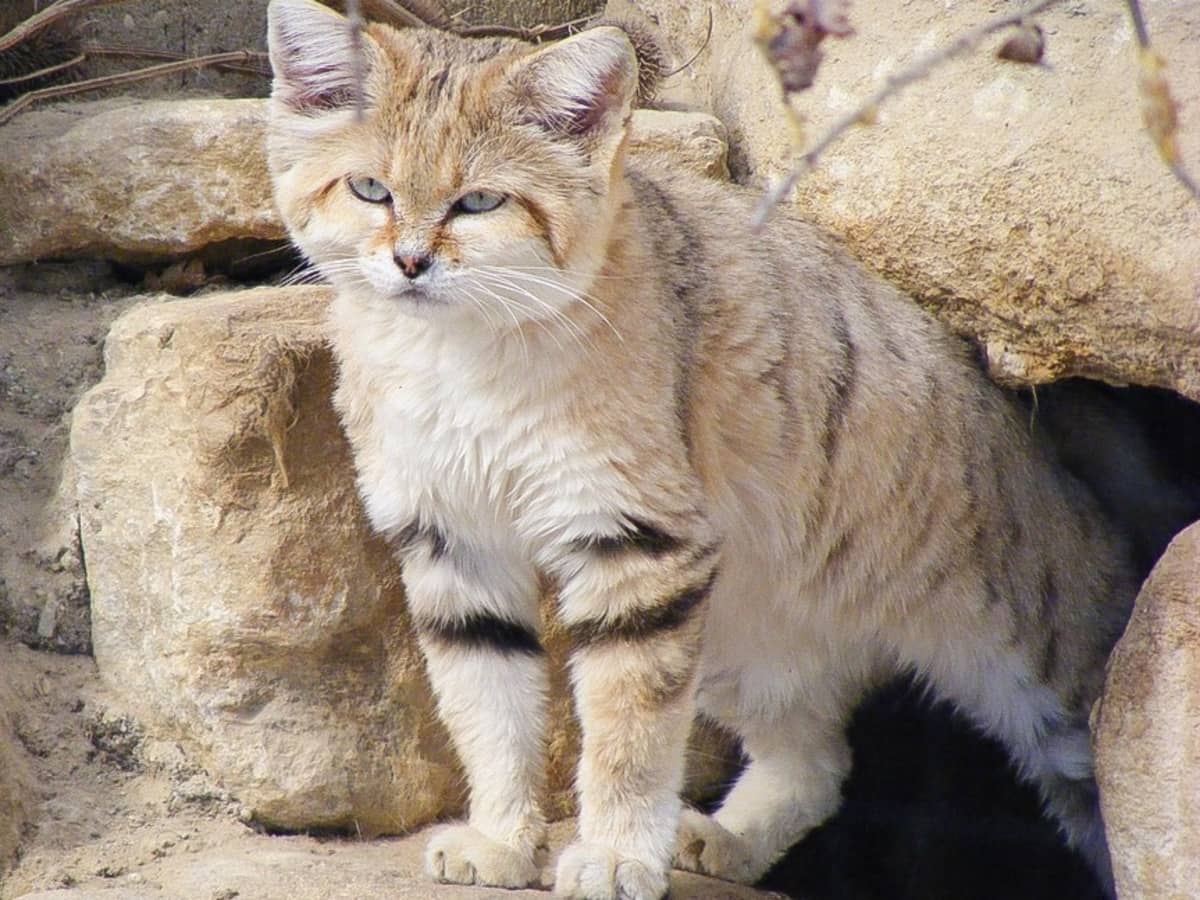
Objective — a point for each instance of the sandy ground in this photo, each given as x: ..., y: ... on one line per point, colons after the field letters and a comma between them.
x: 118, y: 819
x: 114, y: 815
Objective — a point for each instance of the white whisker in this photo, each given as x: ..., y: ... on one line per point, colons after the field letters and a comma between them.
x: 574, y: 293
x: 558, y: 316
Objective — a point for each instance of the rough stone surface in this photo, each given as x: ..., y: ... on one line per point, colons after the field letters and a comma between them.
x: 299, y: 868
x: 134, y: 180
x: 239, y: 603
x: 16, y: 800
x: 694, y: 140
x: 151, y: 179
x: 1025, y: 205
x: 1147, y: 736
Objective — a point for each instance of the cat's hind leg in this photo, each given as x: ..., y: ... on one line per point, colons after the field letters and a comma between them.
x: 797, y: 763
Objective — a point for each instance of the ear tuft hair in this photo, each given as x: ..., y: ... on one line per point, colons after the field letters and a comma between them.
x: 580, y: 87
x: 312, y: 55
x: 651, y: 58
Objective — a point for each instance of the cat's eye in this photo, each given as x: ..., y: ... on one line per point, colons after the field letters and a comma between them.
x: 368, y: 189
x: 478, y: 202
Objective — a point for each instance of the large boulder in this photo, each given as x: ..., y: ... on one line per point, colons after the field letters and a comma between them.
x: 136, y: 181
x: 1025, y: 205
x: 240, y: 604
x: 1148, y: 733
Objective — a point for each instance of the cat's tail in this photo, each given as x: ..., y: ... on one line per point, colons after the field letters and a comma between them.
x: 1075, y: 803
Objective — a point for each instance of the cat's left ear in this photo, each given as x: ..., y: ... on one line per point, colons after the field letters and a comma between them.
x: 313, y: 57
x: 582, y: 87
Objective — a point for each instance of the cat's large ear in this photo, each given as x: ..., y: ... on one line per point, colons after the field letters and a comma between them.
x: 312, y: 55
x: 582, y: 87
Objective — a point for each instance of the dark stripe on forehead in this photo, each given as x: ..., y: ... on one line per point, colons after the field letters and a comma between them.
x: 436, y: 82
x: 642, y: 624
x: 481, y: 631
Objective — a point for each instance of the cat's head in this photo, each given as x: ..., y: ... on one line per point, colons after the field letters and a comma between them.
x: 477, y: 171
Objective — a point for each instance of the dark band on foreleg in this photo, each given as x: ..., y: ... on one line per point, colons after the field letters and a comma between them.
x: 482, y: 631
x: 638, y: 536
x: 644, y: 623
x: 421, y: 534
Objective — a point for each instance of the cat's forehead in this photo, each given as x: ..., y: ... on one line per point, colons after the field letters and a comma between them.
x: 429, y: 67
x: 437, y: 103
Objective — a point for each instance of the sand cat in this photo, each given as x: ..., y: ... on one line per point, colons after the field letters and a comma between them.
x: 759, y: 479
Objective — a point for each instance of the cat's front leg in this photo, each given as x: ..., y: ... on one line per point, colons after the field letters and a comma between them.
x: 635, y: 611
x: 475, y: 616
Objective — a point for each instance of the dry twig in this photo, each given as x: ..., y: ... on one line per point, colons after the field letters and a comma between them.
x: 867, y: 110
x: 241, y: 57
x: 47, y: 17
x: 259, y: 63
x: 356, y: 24
x: 43, y: 72
x: 1160, y: 112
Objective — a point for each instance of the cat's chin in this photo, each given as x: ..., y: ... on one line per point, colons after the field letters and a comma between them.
x: 416, y: 300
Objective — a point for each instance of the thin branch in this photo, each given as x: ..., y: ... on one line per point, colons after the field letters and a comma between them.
x: 259, y: 62
x: 1139, y: 23
x: 867, y: 110
x: 695, y: 56
x: 532, y: 33
x: 47, y: 17
x: 1160, y: 112
x: 392, y: 13
x: 427, y: 12
x: 42, y: 73
x: 356, y: 24
x: 92, y: 84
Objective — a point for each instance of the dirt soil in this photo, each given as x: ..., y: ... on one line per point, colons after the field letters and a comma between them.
x: 120, y: 820
x: 114, y: 815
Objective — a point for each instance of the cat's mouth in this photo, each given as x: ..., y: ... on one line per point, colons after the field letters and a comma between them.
x: 419, y: 294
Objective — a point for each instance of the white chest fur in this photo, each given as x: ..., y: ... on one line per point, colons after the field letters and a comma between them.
x: 473, y: 434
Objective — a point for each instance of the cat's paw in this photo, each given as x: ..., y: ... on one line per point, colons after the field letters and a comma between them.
x: 590, y: 871
x: 461, y: 854
x: 703, y: 846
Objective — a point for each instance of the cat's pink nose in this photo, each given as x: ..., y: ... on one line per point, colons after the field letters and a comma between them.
x: 412, y: 265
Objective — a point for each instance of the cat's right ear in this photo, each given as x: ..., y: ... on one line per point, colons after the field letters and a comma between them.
x: 313, y: 57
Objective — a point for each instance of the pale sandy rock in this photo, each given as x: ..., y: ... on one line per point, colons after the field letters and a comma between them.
x: 694, y: 140
x: 297, y: 868
x: 239, y: 603
x: 134, y: 180
x: 1148, y: 734
x: 1024, y: 205
x: 138, y: 180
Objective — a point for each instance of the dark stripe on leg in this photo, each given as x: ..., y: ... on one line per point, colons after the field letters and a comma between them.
x: 638, y: 535
x: 640, y: 624
x: 479, y: 631
x: 416, y: 533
